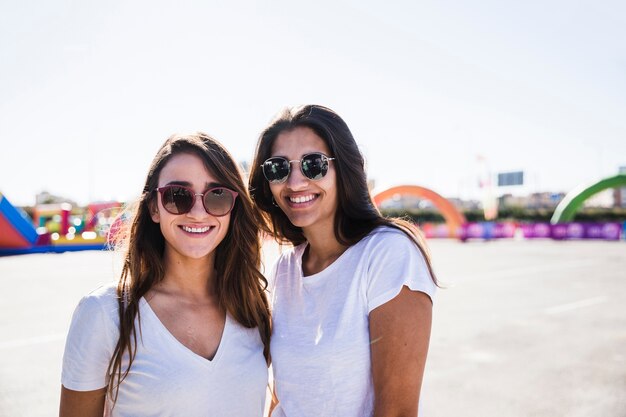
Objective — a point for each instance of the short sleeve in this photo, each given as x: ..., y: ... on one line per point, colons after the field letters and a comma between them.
x: 90, y: 343
x: 280, y: 268
x: 395, y: 261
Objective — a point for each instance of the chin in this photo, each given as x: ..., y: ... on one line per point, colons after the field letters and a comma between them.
x: 196, y: 253
x: 299, y: 221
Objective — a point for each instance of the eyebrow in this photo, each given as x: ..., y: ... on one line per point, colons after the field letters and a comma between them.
x: 190, y: 185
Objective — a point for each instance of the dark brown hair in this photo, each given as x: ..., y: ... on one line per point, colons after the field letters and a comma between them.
x: 356, y: 213
x: 239, y: 285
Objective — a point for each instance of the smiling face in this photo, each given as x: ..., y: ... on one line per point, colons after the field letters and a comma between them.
x: 308, y: 204
x: 195, y: 234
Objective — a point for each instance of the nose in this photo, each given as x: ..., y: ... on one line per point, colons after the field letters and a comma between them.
x: 197, y: 210
x: 296, y: 180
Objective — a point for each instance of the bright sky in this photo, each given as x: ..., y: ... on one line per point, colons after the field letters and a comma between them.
x: 90, y: 89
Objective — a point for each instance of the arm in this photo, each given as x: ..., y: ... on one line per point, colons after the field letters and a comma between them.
x: 82, y: 403
x: 399, y: 337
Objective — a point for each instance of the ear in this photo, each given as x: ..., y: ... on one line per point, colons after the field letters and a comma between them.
x: 154, y: 211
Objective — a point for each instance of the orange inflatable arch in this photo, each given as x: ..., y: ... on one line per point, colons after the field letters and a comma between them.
x: 454, y: 218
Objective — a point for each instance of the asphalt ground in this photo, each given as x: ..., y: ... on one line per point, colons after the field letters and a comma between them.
x: 522, y: 328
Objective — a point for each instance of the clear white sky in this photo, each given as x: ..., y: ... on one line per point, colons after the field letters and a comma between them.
x: 90, y: 89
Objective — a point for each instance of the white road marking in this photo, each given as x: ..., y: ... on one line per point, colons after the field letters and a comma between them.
x: 576, y: 305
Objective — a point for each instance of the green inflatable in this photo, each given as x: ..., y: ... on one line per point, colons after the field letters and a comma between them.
x: 567, y: 208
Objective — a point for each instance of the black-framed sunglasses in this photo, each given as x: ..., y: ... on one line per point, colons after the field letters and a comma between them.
x: 178, y: 199
x: 313, y: 165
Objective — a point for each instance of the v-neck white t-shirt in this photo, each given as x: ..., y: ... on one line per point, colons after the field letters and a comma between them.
x: 166, y: 378
x: 321, y: 343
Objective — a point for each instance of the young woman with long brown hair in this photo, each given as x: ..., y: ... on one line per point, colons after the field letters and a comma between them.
x: 186, y: 329
x: 352, y: 300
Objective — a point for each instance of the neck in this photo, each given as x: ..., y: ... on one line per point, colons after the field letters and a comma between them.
x: 193, y: 278
x: 323, y: 250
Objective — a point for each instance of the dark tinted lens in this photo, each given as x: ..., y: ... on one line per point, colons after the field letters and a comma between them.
x: 177, y: 200
x: 276, y: 169
x: 218, y: 201
x: 314, y: 166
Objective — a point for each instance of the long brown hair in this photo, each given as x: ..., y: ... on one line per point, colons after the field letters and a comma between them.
x: 356, y: 214
x: 239, y: 284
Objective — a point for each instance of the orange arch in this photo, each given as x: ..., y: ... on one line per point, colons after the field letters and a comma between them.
x: 454, y: 218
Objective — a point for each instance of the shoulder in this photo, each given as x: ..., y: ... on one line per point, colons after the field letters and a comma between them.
x: 101, y: 302
x: 286, y: 264
x: 387, y: 239
x: 387, y: 244
x: 91, y: 340
x: 104, y: 292
x: 291, y: 252
x: 289, y: 256
x: 394, y: 260
x: 102, y: 296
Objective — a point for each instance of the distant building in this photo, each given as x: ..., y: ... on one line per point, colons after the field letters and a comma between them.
x: 405, y: 202
x: 45, y: 197
x: 464, y: 205
x: 408, y: 202
x: 545, y: 200
x: 619, y: 194
x: 603, y: 199
x: 619, y: 197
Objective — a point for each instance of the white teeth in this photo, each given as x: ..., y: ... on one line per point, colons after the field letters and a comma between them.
x: 302, y: 199
x: 196, y: 229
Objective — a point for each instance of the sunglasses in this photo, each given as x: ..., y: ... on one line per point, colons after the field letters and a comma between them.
x: 314, y: 166
x: 217, y: 201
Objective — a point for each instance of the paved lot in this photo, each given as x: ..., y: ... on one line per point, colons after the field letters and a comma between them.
x: 523, y: 329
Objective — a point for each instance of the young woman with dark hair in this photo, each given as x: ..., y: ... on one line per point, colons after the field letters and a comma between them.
x: 186, y: 329
x: 352, y: 301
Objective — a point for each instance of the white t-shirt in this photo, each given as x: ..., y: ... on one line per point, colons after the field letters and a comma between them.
x: 166, y: 378
x: 320, y: 343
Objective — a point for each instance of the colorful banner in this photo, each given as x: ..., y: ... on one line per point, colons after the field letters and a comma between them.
x: 536, y: 230
x: 561, y: 231
x: 488, y: 230
x: 604, y: 231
